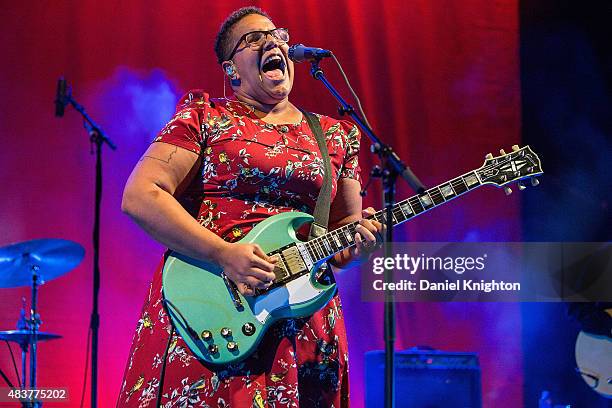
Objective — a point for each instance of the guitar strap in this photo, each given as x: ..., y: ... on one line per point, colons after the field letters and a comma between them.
x: 321, y: 210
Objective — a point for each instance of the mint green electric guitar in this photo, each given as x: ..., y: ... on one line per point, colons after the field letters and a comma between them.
x: 221, y: 326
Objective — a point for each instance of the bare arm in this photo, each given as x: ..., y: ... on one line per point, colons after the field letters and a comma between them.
x: 346, y: 208
x: 149, y: 200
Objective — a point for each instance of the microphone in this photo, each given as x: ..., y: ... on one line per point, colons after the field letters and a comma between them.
x: 301, y: 53
x: 60, y: 97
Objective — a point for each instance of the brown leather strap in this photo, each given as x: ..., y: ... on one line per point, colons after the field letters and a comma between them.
x: 321, y: 210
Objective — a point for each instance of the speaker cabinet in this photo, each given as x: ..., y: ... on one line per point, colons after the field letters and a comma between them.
x: 425, y: 379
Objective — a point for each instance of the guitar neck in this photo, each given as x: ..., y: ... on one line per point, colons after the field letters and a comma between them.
x: 335, y: 241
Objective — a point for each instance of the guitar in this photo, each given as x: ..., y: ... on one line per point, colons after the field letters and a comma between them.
x: 221, y: 326
x: 594, y: 361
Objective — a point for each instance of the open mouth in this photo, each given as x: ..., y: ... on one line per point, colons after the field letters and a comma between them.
x: 273, y: 67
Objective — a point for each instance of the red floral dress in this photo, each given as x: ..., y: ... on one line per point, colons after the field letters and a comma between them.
x: 249, y: 171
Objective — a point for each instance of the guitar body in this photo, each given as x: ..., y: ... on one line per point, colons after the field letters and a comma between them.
x: 198, y: 298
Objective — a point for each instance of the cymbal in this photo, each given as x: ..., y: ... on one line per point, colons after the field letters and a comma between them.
x: 51, y: 257
x: 22, y: 337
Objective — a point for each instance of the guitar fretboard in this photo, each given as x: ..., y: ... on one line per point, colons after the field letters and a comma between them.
x: 344, y: 237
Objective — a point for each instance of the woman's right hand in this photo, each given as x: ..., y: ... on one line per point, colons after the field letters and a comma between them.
x: 247, y: 266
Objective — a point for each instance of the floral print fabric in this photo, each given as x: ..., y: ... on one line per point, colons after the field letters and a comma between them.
x: 249, y: 171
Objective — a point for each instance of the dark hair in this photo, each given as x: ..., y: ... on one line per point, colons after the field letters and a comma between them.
x: 222, y: 44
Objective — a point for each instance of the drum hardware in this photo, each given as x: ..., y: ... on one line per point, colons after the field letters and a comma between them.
x: 32, y: 263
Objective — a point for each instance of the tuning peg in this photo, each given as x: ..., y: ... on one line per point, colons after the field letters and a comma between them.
x: 507, y: 190
x: 489, y: 156
x: 534, y: 181
x: 515, y: 148
x: 502, y: 151
x: 521, y: 186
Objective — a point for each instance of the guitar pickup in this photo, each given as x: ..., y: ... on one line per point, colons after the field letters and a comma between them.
x: 280, y: 268
x: 294, y: 260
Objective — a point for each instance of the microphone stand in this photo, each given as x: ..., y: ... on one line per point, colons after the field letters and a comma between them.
x: 392, y: 167
x: 97, y: 138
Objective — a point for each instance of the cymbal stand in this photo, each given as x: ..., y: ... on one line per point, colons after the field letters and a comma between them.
x: 22, y: 324
x: 34, y: 323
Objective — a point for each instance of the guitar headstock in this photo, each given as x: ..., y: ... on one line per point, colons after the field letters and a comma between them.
x: 507, y: 168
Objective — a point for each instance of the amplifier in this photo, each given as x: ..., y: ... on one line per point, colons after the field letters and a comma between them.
x: 425, y: 379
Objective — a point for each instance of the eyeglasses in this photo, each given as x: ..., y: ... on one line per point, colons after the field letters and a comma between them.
x: 256, y: 39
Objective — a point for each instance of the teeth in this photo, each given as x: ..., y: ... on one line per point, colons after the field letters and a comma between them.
x: 271, y: 58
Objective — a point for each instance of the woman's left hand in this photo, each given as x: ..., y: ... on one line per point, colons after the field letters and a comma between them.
x: 368, y: 236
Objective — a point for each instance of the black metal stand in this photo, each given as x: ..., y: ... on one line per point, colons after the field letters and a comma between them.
x: 392, y: 167
x: 97, y: 138
x: 34, y: 323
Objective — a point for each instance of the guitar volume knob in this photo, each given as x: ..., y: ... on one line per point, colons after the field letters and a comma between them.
x: 248, y: 329
x: 213, y: 349
x: 226, y: 332
x: 232, y: 346
x: 206, y: 335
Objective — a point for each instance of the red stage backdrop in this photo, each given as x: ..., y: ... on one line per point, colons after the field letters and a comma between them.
x: 439, y: 81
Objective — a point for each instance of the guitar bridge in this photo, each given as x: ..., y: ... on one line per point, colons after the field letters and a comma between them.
x: 233, y: 292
